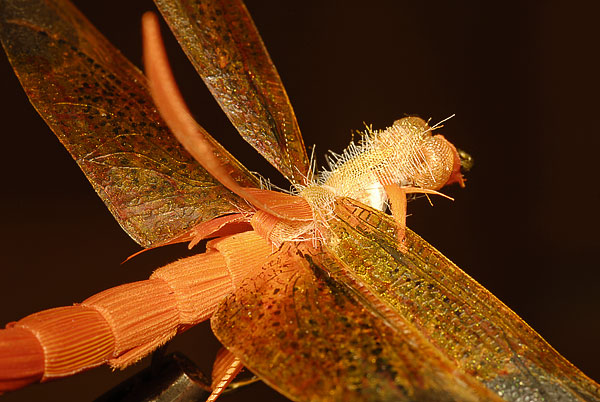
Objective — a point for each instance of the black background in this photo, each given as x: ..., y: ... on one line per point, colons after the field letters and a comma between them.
x: 521, y: 78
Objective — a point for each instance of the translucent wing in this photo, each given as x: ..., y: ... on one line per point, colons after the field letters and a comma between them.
x: 312, y: 340
x: 222, y: 42
x: 360, y: 320
x: 460, y: 317
x: 98, y: 105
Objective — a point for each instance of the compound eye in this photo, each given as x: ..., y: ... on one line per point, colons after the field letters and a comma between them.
x: 437, y: 156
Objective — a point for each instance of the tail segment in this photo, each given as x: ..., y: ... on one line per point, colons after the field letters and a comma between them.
x: 121, y: 325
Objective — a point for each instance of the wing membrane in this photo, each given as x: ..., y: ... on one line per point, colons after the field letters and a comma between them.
x: 360, y: 320
x: 222, y: 42
x: 98, y: 105
x: 456, y: 314
x: 312, y: 340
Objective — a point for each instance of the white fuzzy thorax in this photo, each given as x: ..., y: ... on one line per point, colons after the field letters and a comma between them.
x: 406, y: 154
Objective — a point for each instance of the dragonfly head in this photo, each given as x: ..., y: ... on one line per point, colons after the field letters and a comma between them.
x: 436, y: 161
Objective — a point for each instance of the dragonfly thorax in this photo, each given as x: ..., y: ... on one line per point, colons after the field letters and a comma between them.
x: 405, y: 154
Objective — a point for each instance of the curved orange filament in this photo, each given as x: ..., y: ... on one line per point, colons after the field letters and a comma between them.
x: 189, y: 133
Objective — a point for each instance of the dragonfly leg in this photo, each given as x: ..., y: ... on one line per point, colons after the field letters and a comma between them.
x: 225, y: 369
x: 397, y: 199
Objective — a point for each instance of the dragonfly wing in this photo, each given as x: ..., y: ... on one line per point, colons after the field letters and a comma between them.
x: 308, y: 337
x: 451, y: 310
x: 99, y: 106
x: 224, y: 46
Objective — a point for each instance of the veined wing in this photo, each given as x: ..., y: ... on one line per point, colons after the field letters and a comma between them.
x: 460, y: 317
x: 224, y: 46
x: 99, y: 106
x: 312, y: 340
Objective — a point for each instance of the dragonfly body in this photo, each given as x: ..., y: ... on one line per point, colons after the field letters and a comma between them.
x: 587, y: 388
x: 401, y: 155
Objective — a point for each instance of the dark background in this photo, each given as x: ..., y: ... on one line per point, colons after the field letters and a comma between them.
x: 521, y: 79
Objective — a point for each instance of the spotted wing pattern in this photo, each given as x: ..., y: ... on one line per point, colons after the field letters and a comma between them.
x: 313, y: 340
x: 222, y: 42
x: 460, y: 317
x: 99, y: 106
